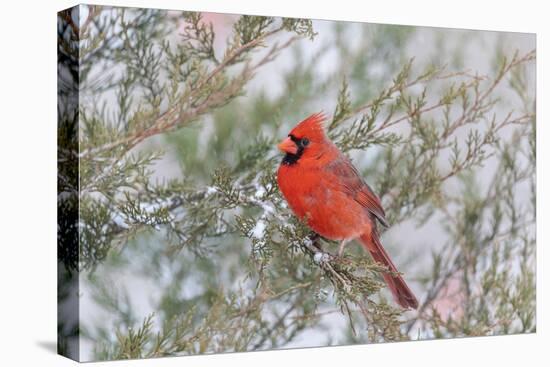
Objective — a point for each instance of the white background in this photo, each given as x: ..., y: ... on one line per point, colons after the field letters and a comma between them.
x: 28, y: 182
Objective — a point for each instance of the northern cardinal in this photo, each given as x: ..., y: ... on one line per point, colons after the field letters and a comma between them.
x: 324, y: 189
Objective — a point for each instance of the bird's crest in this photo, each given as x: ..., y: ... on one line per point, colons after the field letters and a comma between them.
x: 312, y: 127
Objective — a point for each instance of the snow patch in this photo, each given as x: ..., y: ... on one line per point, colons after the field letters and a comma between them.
x: 211, y: 190
x: 65, y: 195
x: 321, y: 257
x: 260, y: 192
x: 119, y: 221
x: 259, y: 229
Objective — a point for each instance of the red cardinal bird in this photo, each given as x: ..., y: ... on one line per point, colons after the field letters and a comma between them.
x: 325, y: 190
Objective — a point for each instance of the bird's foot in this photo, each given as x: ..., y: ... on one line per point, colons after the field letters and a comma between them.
x: 343, y: 244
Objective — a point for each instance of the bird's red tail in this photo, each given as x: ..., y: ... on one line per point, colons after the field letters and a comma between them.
x: 401, y: 292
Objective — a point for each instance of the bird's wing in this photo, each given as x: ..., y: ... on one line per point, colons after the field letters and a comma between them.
x: 346, y: 178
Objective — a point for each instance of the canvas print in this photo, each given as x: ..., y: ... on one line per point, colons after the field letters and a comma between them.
x: 234, y: 183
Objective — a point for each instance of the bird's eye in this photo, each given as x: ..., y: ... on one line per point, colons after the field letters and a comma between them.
x: 305, y: 142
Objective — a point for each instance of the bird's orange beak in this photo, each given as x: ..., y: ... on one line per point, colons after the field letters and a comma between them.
x: 288, y: 146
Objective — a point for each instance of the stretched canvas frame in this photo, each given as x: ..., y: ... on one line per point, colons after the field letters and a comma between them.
x: 174, y: 238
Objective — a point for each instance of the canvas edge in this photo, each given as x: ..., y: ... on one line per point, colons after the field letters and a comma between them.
x: 68, y: 285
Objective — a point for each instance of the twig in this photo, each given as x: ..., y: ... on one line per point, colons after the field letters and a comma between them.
x: 175, y: 115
